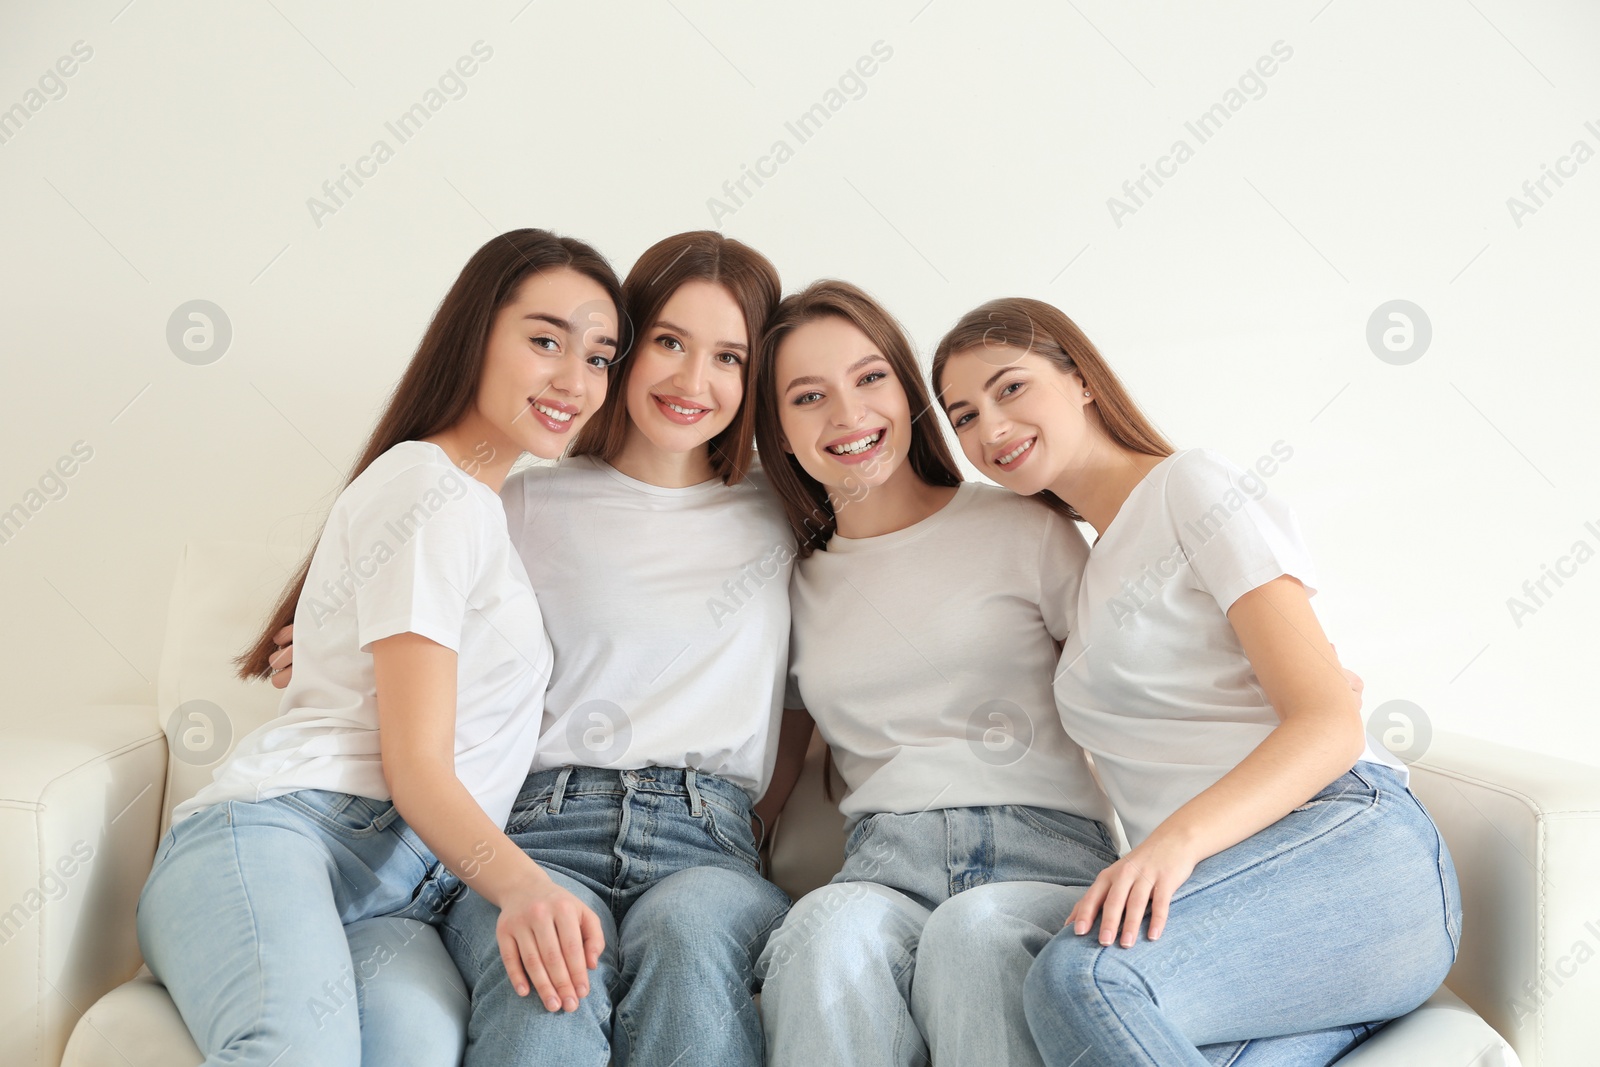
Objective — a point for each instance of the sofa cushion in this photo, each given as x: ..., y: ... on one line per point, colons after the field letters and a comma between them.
x: 1443, y: 1031
x: 134, y: 1025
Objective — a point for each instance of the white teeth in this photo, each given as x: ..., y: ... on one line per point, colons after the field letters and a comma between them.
x: 559, y: 416
x: 684, y: 410
x: 1011, y: 456
x: 856, y: 447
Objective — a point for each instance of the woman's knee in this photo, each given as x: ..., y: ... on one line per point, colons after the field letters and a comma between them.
x: 839, y: 927
x: 1001, y: 919
x: 1067, y: 977
x: 707, y: 911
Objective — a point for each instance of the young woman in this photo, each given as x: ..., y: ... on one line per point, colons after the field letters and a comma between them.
x: 926, y: 615
x: 1297, y: 893
x: 654, y: 547
x: 409, y: 725
x: 661, y: 563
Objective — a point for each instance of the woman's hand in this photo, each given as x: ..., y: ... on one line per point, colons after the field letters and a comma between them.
x: 282, y: 661
x: 551, y: 938
x: 1146, y: 877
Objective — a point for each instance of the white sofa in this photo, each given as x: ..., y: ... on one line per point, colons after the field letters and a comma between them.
x: 85, y: 794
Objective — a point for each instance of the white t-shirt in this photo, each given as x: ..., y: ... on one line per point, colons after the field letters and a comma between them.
x: 669, y: 613
x: 412, y: 545
x: 926, y: 655
x: 1153, y: 680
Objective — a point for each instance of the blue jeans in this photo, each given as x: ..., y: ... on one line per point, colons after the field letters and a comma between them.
x: 667, y: 860
x: 1288, y: 948
x: 918, y: 948
x: 246, y: 914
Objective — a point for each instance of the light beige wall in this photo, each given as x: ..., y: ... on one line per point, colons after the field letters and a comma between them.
x: 976, y: 159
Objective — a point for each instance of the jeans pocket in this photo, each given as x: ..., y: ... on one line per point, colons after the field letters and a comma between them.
x: 1349, y: 785
x: 860, y: 832
x: 165, y: 847
x: 343, y: 814
x: 1068, y: 829
x: 732, y: 833
x: 527, y: 810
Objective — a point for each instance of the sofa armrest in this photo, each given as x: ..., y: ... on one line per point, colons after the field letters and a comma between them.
x: 1524, y: 830
x: 80, y: 799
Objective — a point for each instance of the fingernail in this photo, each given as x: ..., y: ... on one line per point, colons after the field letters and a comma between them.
x: 553, y: 1004
x: 571, y: 1004
x: 522, y: 990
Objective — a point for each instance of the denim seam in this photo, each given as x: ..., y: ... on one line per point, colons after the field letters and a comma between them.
x: 865, y: 828
x: 325, y: 821
x: 624, y: 856
x: 429, y: 861
x: 1444, y: 892
x: 1094, y: 974
x: 696, y: 808
x: 907, y: 962
x: 255, y: 928
x: 727, y: 845
x: 1038, y: 824
x: 558, y: 794
x: 1193, y: 888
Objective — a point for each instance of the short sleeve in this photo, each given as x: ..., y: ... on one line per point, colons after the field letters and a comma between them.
x: 415, y: 543
x: 1236, y: 531
x: 1063, y: 553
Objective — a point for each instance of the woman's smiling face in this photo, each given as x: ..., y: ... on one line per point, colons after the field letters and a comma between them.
x: 547, y: 361
x: 686, y: 375
x: 843, y: 413
x: 1020, y: 420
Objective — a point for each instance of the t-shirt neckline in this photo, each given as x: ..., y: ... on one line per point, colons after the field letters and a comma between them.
x: 917, y: 529
x: 710, y: 485
x: 1116, y: 520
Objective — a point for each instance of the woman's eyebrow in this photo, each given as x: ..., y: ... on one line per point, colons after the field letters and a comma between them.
x: 562, y: 324
x: 812, y: 379
x: 663, y: 324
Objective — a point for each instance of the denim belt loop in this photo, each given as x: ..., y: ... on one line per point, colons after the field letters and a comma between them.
x: 696, y: 808
x: 559, y: 794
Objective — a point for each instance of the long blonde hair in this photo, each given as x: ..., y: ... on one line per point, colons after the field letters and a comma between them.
x: 1034, y: 326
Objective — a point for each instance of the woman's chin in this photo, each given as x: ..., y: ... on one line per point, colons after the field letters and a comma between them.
x: 546, y: 445
x: 675, y: 439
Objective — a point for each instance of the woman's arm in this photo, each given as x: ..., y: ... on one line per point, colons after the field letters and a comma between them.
x: 1319, y: 737
x: 794, y: 737
x: 547, y: 936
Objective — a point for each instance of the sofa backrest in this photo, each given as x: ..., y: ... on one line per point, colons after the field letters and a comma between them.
x: 220, y: 598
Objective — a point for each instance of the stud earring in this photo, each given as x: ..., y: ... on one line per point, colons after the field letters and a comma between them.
x: 1086, y: 392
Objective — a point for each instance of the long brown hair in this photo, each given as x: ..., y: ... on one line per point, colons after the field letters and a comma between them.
x: 440, y: 383
x: 699, y: 255
x: 1034, y: 326
x: 805, y: 500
